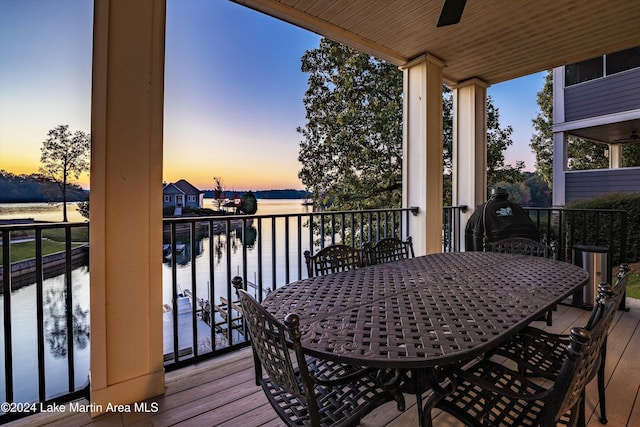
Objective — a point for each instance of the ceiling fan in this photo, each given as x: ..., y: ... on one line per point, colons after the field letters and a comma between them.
x: 451, y: 12
x: 634, y: 137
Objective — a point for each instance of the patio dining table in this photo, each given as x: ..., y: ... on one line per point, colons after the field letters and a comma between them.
x: 419, y: 313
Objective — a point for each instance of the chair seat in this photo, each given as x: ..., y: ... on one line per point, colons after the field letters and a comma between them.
x: 475, y: 402
x: 537, y: 352
x: 339, y: 405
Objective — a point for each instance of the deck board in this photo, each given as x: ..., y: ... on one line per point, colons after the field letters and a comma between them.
x: 222, y: 392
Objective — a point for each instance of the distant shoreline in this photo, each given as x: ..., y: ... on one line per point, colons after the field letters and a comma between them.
x: 208, y: 194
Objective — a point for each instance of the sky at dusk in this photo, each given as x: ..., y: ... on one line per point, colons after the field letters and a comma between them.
x: 233, y: 90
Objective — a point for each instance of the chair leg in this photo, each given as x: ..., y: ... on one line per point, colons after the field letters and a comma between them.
x: 581, y: 410
x: 601, y: 385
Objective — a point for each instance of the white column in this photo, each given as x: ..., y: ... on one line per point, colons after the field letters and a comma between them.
x: 422, y: 160
x: 469, y: 147
x: 126, y: 202
x: 615, y: 156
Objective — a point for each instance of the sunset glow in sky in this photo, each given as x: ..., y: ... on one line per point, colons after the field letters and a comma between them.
x: 233, y: 90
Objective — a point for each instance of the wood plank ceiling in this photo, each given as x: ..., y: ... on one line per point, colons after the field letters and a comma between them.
x: 496, y: 40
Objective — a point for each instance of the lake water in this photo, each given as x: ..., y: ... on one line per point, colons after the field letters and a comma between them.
x: 23, y: 300
x: 39, y: 211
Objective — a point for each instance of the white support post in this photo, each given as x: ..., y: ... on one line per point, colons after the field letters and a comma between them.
x: 126, y: 202
x: 469, y: 147
x: 422, y: 160
x: 615, y: 156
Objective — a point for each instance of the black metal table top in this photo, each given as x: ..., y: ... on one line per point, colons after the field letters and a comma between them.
x: 424, y: 311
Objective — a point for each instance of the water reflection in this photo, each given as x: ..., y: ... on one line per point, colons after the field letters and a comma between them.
x: 24, y: 337
x: 55, y: 325
x: 239, y: 237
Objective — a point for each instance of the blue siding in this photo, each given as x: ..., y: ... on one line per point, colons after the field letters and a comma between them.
x: 612, y: 94
x: 592, y: 183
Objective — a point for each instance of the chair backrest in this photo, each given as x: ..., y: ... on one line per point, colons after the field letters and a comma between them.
x: 390, y: 249
x: 269, y: 345
x: 333, y: 258
x: 583, y: 357
x: 620, y: 287
x: 522, y: 245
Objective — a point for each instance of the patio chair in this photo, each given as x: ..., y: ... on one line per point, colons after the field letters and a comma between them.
x: 333, y: 258
x: 390, y: 249
x: 525, y: 246
x: 316, y: 393
x: 538, y: 353
x: 488, y: 393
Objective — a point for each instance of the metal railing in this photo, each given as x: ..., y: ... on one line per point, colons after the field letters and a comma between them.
x: 201, y: 255
x: 51, y: 319
x: 267, y: 251
x: 452, y: 232
x: 571, y: 227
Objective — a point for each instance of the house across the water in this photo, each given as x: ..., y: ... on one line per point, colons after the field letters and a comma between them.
x: 181, y: 194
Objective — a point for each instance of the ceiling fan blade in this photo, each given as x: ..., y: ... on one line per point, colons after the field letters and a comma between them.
x: 451, y: 12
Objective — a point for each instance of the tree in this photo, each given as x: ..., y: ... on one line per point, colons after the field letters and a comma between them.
x: 65, y: 155
x: 351, y: 154
x: 498, y: 140
x: 542, y: 139
x: 249, y: 205
x: 581, y: 153
x: 83, y: 208
x: 218, y: 191
x: 630, y: 155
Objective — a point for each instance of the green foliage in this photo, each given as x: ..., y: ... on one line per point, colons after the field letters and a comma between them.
x: 26, y: 250
x: 533, y: 191
x: 585, y: 155
x: 78, y: 234
x: 539, y: 191
x: 581, y: 154
x: 351, y: 154
x: 83, y: 209
x: 249, y: 204
x: 498, y: 140
x: 542, y: 140
x: 167, y: 211
x: 630, y: 155
x: 633, y: 284
x: 596, y: 231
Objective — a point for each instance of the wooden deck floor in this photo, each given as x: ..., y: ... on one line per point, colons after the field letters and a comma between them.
x: 222, y: 392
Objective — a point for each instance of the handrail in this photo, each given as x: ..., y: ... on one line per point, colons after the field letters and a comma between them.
x: 203, y: 254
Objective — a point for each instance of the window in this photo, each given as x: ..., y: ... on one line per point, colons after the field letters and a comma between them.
x: 602, y: 66
x: 583, y: 71
x: 167, y: 198
x: 623, y: 60
x: 191, y: 198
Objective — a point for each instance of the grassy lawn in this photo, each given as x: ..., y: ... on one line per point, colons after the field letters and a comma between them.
x: 633, y: 285
x: 26, y: 250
